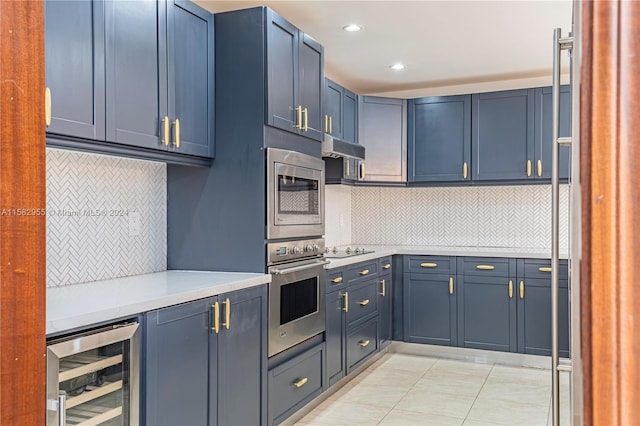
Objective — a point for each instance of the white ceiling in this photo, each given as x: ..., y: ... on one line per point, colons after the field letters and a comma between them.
x: 447, y: 47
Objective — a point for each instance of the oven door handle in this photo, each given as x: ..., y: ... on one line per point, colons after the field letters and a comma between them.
x: 298, y: 268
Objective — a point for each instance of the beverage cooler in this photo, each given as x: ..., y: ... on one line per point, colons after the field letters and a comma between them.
x: 93, y: 378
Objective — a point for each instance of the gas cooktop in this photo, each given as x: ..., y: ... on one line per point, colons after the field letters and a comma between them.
x: 338, y: 253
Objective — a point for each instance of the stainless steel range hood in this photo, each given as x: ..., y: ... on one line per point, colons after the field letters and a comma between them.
x: 336, y: 148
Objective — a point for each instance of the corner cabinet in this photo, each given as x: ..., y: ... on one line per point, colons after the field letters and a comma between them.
x: 382, y: 130
x: 439, y: 146
x: 340, y: 112
x: 137, y: 74
x: 295, y: 75
x: 207, y: 369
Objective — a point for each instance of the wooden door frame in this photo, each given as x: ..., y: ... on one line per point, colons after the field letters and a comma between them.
x: 610, y: 154
x: 22, y: 232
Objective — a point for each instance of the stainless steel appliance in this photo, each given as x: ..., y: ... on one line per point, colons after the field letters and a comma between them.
x: 339, y: 253
x: 296, y: 292
x: 93, y: 378
x: 295, y: 195
x: 337, y: 148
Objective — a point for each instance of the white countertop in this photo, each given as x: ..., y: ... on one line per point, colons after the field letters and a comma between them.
x: 80, y: 305
x: 381, y: 251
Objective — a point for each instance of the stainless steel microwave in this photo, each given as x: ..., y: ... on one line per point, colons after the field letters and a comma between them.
x: 295, y: 195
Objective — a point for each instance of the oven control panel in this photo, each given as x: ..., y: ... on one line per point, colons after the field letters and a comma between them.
x: 294, y: 250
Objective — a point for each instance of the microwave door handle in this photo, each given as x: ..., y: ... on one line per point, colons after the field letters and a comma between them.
x: 298, y: 268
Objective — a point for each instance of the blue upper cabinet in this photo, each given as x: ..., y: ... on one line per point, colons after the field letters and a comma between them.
x: 439, y: 145
x: 333, y: 108
x: 134, y: 74
x: 295, y: 78
x: 544, y: 131
x: 136, y: 61
x: 350, y: 116
x: 74, y: 56
x: 503, y: 135
x: 191, y: 78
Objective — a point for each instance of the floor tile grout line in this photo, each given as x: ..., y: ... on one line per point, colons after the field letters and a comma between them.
x: 478, y: 394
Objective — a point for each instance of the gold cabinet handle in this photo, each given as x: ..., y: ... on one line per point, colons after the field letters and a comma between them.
x: 528, y: 168
x: 485, y: 267
x: 364, y: 343
x: 428, y: 265
x: 47, y: 106
x: 450, y: 285
x: 364, y: 272
x: 464, y: 170
x: 348, y: 168
x: 216, y: 317
x: 545, y: 269
x: 510, y: 289
x: 299, y: 124
x: 362, y: 171
x: 521, y: 289
x: 176, y: 128
x: 346, y: 302
x: 227, y: 314
x: 364, y: 302
x: 331, y: 125
x: 326, y: 124
x: 300, y: 383
x: 384, y: 288
x: 539, y: 167
x: 337, y: 280
x: 165, y: 130
x: 387, y: 266
x: 306, y: 120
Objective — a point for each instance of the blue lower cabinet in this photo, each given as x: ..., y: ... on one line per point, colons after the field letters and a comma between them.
x: 362, y: 301
x: 293, y: 384
x: 195, y: 375
x: 430, y: 309
x: 361, y: 343
x: 334, y: 336
x: 385, y: 306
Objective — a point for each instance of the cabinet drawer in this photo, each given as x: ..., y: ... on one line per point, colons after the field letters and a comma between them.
x: 362, y: 341
x: 541, y: 268
x: 295, y: 381
x: 361, y: 272
x: 363, y: 301
x: 432, y: 264
x: 335, y: 280
x: 385, y: 265
x: 486, y: 266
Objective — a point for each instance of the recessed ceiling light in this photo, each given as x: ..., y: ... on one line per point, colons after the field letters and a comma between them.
x: 397, y: 66
x: 351, y: 28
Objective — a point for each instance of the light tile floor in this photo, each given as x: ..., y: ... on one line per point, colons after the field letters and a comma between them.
x: 415, y: 390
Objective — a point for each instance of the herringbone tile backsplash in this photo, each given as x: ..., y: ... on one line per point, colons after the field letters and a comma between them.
x: 89, y: 200
x: 492, y: 216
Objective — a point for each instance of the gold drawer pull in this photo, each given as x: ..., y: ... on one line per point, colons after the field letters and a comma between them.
x: 346, y: 302
x: 539, y: 167
x: 429, y: 265
x: 300, y: 383
x: 337, y: 280
x: 299, y: 111
x: 464, y: 170
x: 364, y: 302
x: 326, y: 124
x: 485, y: 267
x: 450, y: 285
x: 364, y: 343
x: 384, y: 288
x: 528, y: 168
x: 216, y: 317
x: 510, y: 289
x: 364, y: 272
x: 387, y: 266
x: 227, y: 313
x: 521, y: 289
x: 47, y: 107
x: 545, y: 269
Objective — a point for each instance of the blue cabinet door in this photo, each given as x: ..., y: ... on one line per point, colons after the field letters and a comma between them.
x: 282, y: 74
x: 335, y: 336
x: 311, y: 80
x: 350, y: 116
x: 191, y: 77
x: 385, y: 309
x: 544, y: 131
x: 439, y: 145
x: 74, y: 61
x: 136, y: 72
x: 332, y: 109
x: 180, y: 355
x: 503, y: 135
x: 430, y: 309
x: 242, y: 357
